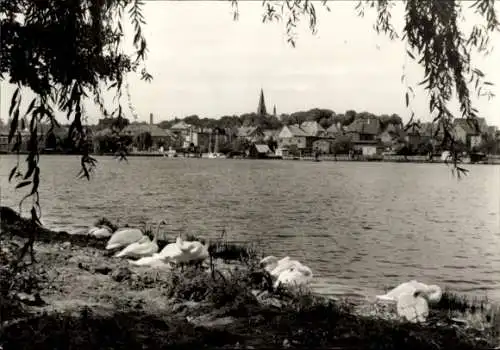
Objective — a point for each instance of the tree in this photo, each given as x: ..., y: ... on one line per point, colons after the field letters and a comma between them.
x: 272, y: 144
x: 488, y: 145
x: 425, y: 147
x: 240, y: 145
x: 62, y: 76
x: 342, y: 145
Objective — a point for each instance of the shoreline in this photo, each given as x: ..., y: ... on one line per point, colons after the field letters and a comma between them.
x: 90, y: 296
x: 493, y: 160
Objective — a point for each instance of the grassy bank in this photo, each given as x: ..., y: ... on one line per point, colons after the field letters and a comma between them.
x: 94, y: 301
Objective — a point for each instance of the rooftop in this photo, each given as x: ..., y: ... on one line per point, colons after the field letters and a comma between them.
x: 369, y: 126
x: 312, y: 128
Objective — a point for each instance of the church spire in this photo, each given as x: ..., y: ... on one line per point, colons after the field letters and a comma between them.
x: 274, y: 111
x: 261, y: 110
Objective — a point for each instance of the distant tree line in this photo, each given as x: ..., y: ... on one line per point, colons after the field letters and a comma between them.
x: 325, y: 117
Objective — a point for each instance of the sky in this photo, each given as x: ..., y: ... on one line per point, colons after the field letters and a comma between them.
x: 205, y: 63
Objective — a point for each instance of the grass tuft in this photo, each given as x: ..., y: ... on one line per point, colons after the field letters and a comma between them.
x: 106, y: 222
x: 454, y: 302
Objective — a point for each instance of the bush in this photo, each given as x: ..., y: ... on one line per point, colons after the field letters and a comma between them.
x: 106, y: 222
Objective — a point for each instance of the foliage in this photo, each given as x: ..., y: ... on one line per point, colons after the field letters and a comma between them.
x: 240, y: 145
x: 342, y: 145
x: 109, y: 123
x: 488, y: 145
x: 228, y: 251
x: 113, y: 143
x: 322, y: 116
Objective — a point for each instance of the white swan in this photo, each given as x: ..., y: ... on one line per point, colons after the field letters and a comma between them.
x: 432, y: 293
x: 144, y: 247
x: 276, y: 266
x: 169, y: 253
x: 172, y: 253
x: 155, y: 261
x: 285, y: 264
x: 413, y: 307
x: 123, y: 237
x: 193, y: 251
x: 296, y: 274
x: 101, y: 232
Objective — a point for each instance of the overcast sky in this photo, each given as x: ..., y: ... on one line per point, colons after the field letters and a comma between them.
x: 205, y: 63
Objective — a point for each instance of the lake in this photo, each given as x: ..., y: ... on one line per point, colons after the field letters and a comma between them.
x: 361, y: 227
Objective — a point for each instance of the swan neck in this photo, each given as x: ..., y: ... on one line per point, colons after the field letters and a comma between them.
x: 155, y: 238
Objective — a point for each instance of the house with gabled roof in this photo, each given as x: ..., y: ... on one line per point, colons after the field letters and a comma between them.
x: 293, y: 136
x: 334, y: 130
x: 467, y: 131
x: 313, y: 128
x: 363, y: 133
x: 364, y: 129
x: 260, y: 151
x: 250, y: 133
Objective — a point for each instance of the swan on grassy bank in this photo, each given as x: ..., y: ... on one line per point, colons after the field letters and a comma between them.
x: 154, y: 261
x: 100, y: 232
x: 413, y: 307
x: 412, y: 299
x: 181, y: 252
x: 124, y: 237
x: 295, y: 275
x: 275, y: 266
x: 432, y: 293
x: 169, y: 253
x: 143, y: 248
x: 192, y: 251
x: 287, y: 271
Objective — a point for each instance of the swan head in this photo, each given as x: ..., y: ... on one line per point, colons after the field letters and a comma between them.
x: 302, y: 269
x: 432, y: 294
x: 269, y: 263
x: 144, y: 239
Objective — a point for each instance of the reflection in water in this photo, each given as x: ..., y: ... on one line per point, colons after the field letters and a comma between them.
x: 361, y: 227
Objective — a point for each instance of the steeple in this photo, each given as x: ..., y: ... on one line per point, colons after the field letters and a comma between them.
x: 274, y: 111
x: 261, y: 110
